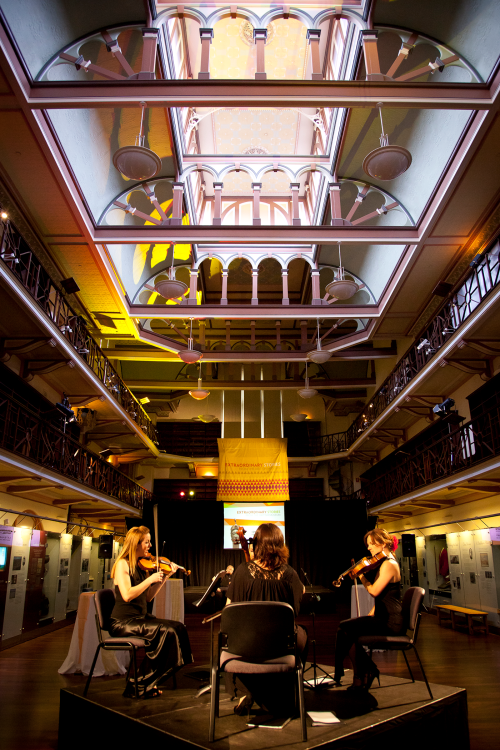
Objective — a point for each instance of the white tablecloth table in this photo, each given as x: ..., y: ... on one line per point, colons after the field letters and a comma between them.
x: 84, y: 643
x: 168, y: 604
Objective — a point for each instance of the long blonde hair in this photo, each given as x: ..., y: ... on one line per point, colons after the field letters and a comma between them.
x: 129, y: 549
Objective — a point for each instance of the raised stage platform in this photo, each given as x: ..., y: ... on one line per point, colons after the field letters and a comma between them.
x: 396, y: 712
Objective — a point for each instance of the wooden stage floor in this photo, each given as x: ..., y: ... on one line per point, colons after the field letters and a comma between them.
x: 385, y: 717
x: 30, y: 685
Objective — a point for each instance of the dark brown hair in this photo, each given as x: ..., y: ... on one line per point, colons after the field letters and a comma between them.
x: 381, y: 536
x: 269, y: 546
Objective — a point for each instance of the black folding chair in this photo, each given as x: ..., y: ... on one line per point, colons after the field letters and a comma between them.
x: 257, y: 638
x: 104, y: 603
x: 412, y: 604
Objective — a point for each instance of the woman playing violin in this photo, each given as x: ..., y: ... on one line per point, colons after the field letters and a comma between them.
x: 385, y: 617
x: 166, y: 641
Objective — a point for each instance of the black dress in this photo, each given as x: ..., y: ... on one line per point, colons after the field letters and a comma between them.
x: 166, y: 641
x: 387, y: 620
x: 251, y: 583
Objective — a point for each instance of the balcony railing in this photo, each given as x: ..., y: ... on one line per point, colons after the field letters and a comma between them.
x: 326, y: 444
x: 26, y: 434
x: 466, y: 445
x: 482, y: 279
x: 23, y: 263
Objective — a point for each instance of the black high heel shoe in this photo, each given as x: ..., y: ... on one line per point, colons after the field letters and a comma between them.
x: 244, y: 705
x: 370, y: 677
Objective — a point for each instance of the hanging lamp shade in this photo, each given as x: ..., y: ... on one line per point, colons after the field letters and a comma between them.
x: 307, y: 392
x: 171, y: 288
x: 319, y: 355
x: 341, y: 288
x: 298, y: 417
x: 199, y: 393
x: 207, y: 417
x: 387, y: 162
x: 137, y: 162
x: 190, y: 355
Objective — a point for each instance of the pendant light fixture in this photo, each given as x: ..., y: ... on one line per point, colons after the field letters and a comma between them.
x: 199, y: 393
x: 307, y: 392
x: 387, y: 162
x: 171, y: 288
x: 341, y: 288
x: 206, y: 417
x: 137, y: 162
x: 190, y: 355
x: 319, y: 355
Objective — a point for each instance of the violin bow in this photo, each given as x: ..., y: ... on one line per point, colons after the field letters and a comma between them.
x: 157, y: 550
x: 356, y: 589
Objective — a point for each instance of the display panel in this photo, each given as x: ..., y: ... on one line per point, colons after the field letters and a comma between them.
x: 250, y: 516
x: 3, y: 557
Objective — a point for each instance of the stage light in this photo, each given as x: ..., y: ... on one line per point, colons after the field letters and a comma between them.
x: 424, y: 342
x: 191, y: 492
x: 476, y: 261
x: 443, y: 409
x: 144, y: 400
x: 4, y: 216
x: 182, y: 494
x: 65, y: 408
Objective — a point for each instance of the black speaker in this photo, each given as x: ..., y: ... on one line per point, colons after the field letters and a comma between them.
x: 105, y: 547
x: 408, y: 543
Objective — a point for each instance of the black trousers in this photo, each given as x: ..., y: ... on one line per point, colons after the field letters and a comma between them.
x: 347, y: 635
x: 166, y: 644
x: 276, y: 692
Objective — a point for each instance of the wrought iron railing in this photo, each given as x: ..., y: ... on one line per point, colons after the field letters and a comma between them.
x: 482, y: 279
x: 325, y: 444
x: 24, y: 264
x: 466, y: 445
x: 26, y: 434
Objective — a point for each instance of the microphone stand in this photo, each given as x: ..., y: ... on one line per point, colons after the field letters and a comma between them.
x: 318, y: 682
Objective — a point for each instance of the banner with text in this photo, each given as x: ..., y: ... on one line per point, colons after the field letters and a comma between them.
x: 252, y: 469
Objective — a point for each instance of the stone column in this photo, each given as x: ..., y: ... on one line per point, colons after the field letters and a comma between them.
x: 255, y: 278
x: 256, y: 187
x: 313, y: 36
x: 218, y: 203
x: 193, y: 286
x: 150, y: 40
x: 178, y: 188
x: 223, y: 299
x: 316, y: 299
x: 260, y: 36
x: 206, y: 36
x: 336, y: 211
x: 284, y: 279
x: 294, y: 187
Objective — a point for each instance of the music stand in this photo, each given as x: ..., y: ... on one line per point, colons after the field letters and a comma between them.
x: 326, y: 679
x: 202, y: 675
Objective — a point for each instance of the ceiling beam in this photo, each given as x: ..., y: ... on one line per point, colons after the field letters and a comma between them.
x: 152, y: 355
x: 246, y: 385
x: 248, y: 93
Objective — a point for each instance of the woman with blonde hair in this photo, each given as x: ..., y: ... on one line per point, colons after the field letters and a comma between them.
x: 166, y: 641
x: 385, y: 618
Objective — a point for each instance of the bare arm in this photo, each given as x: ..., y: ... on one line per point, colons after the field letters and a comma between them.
x: 388, y: 573
x: 157, y: 586
x: 129, y: 592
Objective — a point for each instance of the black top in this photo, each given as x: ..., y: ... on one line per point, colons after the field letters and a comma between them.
x: 136, y: 607
x: 251, y: 583
x: 388, y: 605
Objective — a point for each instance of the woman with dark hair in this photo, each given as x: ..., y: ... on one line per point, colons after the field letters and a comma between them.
x: 166, y: 641
x: 384, y: 619
x: 267, y: 577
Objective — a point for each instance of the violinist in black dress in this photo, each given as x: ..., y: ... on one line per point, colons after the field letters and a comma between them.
x: 386, y: 617
x: 267, y: 577
x: 166, y: 641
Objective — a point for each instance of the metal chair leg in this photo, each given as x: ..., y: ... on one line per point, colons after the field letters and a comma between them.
x: 87, y: 684
x: 134, y: 661
x: 214, y: 699
x: 302, y: 709
x: 408, y: 665
x: 423, y: 672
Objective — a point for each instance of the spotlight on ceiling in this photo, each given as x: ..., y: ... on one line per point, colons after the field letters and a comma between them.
x: 445, y: 408
x: 307, y: 392
x: 199, y: 393
x: 190, y: 355
x: 341, y: 288
x: 387, y: 162
x: 319, y: 355
x: 65, y: 408
x: 137, y: 162
x: 298, y: 417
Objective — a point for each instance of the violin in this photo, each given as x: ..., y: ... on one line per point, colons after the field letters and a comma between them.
x: 362, y: 566
x: 244, y: 543
x: 150, y: 564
